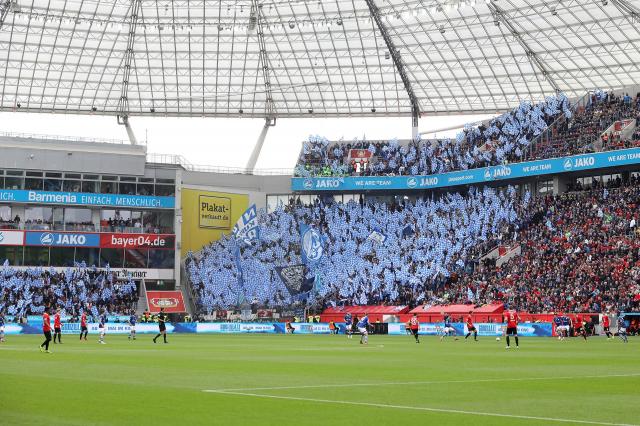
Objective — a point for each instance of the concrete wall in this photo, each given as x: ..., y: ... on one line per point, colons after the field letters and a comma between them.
x: 70, y: 156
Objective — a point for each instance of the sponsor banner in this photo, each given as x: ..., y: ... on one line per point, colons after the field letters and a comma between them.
x: 215, y: 212
x: 426, y: 329
x: 61, y: 239
x: 11, y: 238
x: 544, y: 329
x: 171, y: 301
x: 464, y: 177
x: 491, y: 330
x: 86, y: 199
x: 120, y: 273
x: 484, y: 329
x: 208, y: 215
x: 137, y: 241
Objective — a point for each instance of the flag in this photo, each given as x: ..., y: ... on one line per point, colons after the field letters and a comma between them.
x: 377, y: 236
x: 246, y: 228
x: 293, y: 278
x: 470, y: 296
x: 238, y: 260
x: 312, y: 244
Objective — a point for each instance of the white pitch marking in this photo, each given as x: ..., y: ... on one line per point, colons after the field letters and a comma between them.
x: 430, y: 409
x: 432, y: 382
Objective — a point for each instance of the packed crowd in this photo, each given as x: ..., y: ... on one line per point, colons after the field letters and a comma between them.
x: 30, y: 291
x: 425, y: 240
x: 506, y: 138
x: 549, y: 129
x: 586, y: 131
x: 580, y: 253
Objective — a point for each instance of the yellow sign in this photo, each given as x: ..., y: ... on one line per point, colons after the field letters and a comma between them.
x: 214, y: 212
x: 207, y: 215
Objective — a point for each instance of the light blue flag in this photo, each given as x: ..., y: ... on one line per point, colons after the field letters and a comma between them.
x: 312, y: 244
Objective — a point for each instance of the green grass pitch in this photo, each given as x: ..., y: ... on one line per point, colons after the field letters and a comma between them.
x: 318, y: 380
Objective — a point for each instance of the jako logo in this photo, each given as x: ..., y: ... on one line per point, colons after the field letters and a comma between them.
x: 46, y: 239
x: 1, y: 237
x: 567, y: 164
x: 429, y: 181
x: 487, y: 174
x: 411, y: 182
x: 502, y: 172
x: 328, y: 183
x: 584, y: 162
x: 307, y: 184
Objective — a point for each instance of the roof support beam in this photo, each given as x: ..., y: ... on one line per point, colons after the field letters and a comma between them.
x: 256, y: 13
x: 399, y: 64
x: 533, y: 57
x: 626, y: 7
x: 123, y: 102
x: 257, y: 148
x: 5, y: 6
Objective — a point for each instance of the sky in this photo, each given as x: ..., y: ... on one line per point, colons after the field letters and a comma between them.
x: 224, y: 142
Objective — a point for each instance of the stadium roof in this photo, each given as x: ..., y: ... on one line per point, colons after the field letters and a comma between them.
x: 309, y: 58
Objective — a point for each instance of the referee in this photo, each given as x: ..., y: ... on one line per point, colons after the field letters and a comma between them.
x: 162, y: 326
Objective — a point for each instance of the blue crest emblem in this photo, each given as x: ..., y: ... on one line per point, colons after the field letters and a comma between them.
x: 312, y: 245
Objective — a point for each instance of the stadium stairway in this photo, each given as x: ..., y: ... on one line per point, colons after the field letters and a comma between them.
x: 143, y: 303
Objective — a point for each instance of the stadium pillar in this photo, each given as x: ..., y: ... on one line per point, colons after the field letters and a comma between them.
x: 124, y: 121
x: 255, y: 154
x: 177, y: 229
x: 415, y: 115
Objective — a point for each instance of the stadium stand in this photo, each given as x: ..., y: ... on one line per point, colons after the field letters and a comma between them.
x: 28, y: 292
x: 511, y: 137
x: 579, y: 252
x: 425, y: 240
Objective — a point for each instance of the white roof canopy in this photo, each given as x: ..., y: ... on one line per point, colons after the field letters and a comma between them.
x: 284, y: 58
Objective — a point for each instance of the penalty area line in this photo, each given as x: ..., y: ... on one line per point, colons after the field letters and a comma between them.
x: 430, y: 382
x: 429, y: 409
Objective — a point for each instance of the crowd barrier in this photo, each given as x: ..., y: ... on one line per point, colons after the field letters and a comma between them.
x: 484, y: 329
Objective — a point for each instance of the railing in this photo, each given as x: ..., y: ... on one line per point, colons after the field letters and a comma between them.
x: 63, y: 138
x: 547, y: 135
x: 179, y: 160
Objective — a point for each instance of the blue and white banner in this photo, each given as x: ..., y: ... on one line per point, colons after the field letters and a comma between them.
x: 426, y: 329
x: 246, y: 228
x: 484, y: 329
x: 377, y: 236
x: 86, y: 199
x: 61, y: 239
x: 473, y: 176
x: 312, y: 244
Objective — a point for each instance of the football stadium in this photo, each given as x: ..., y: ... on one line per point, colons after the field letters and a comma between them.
x: 474, y: 259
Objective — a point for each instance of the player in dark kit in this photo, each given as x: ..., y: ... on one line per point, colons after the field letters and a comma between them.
x: 162, y: 326
x: 414, y: 326
x: 132, y: 326
x: 57, y: 327
x: 46, y: 329
x: 471, y: 329
x: 83, y: 326
x: 2, y: 320
x: 511, y: 317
